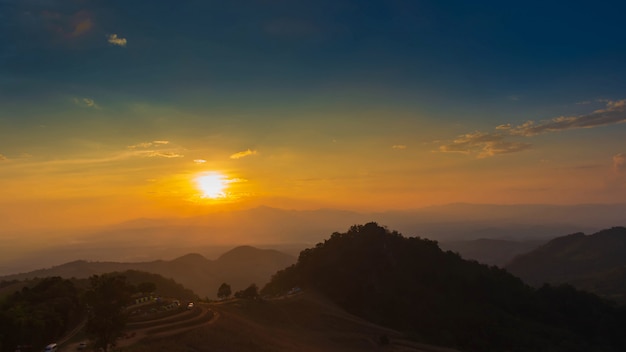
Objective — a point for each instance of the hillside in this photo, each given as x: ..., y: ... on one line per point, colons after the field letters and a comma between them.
x: 239, y: 267
x: 596, y: 263
x: 305, y: 322
x: 439, y: 298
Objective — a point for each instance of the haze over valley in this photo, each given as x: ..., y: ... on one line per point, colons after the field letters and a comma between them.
x: 454, y: 226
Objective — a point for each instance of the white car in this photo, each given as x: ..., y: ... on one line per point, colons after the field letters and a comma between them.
x: 51, y: 348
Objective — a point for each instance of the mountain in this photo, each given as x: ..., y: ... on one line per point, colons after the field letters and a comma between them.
x: 211, y: 234
x: 596, y: 263
x: 491, y: 251
x: 410, y: 284
x: 238, y: 267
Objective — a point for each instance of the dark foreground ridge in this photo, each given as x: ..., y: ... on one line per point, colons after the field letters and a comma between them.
x: 436, y: 297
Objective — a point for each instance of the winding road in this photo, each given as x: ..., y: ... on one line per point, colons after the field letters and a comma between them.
x: 171, y: 325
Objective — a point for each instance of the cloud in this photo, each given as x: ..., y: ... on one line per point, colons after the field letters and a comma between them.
x: 504, y: 127
x: 152, y: 154
x: 243, y: 154
x: 502, y: 147
x: 489, y: 144
x: 86, y: 102
x: 28, y: 162
x: 467, y: 142
x: 485, y: 144
x: 399, y: 146
x: 151, y: 149
x: 2, y: 157
x: 619, y: 163
x: 613, y: 113
x: 141, y: 145
x: 115, y: 40
x: 144, y: 145
x: 199, y: 161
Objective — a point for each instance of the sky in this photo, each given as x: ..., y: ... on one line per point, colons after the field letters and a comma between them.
x: 114, y: 110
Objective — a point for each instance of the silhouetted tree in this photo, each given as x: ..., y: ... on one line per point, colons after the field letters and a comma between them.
x: 252, y: 292
x: 107, y: 297
x: 224, y: 291
x: 38, y: 314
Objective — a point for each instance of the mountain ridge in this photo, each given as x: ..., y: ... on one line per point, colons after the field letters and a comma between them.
x: 595, y: 262
x: 152, y: 238
x: 192, y: 270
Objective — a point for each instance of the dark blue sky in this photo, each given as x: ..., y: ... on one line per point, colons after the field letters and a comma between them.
x: 478, y: 51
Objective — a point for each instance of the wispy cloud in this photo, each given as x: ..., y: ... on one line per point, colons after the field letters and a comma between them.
x: 486, y: 144
x: 199, y: 161
x: 153, y: 153
x: 115, y: 40
x: 86, y: 102
x: 502, y: 147
x: 613, y: 113
x: 155, y: 149
x: 59, y: 164
x: 144, y: 145
x: 243, y: 154
x: 506, y: 126
x: 398, y: 146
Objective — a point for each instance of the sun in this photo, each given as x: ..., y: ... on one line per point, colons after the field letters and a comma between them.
x: 212, y: 185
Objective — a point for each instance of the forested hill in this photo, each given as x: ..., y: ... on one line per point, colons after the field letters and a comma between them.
x: 596, y: 263
x: 412, y: 285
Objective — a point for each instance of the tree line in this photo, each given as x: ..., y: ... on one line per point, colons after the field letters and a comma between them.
x: 46, y: 309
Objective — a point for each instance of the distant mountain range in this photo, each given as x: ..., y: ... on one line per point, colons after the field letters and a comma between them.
x: 238, y: 267
x: 595, y: 263
x: 491, y: 251
x: 290, y: 231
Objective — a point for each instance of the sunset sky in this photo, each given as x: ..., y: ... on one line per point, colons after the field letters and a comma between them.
x: 113, y: 110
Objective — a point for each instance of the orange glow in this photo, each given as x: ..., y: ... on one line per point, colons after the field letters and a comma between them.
x: 212, y: 185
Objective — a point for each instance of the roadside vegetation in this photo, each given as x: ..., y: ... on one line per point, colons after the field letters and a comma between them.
x: 39, y: 311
